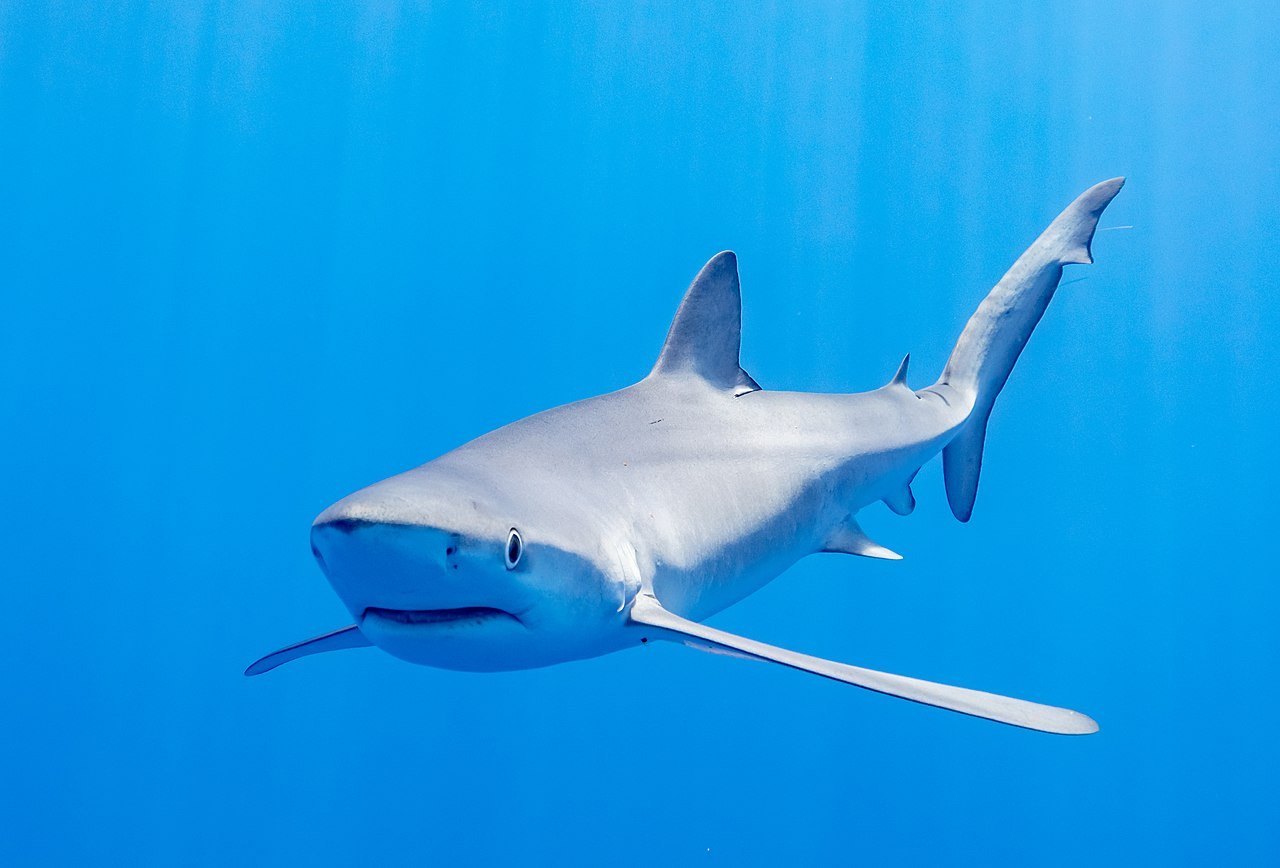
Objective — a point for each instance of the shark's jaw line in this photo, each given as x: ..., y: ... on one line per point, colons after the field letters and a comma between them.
x: 432, y: 617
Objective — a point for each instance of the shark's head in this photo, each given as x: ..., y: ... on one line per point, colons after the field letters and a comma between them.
x: 450, y: 568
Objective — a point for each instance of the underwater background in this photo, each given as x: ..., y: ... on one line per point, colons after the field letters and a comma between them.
x: 256, y: 256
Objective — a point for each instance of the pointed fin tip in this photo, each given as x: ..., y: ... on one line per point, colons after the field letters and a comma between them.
x: 1086, y: 725
x: 1094, y: 200
x: 869, y: 549
x: 729, y: 259
x: 1091, y: 203
x: 723, y: 265
x: 881, y: 553
x: 336, y: 640
x: 1105, y: 191
x: 961, y: 494
x: 872, y: 550
x: 850, y: 539
x: 258, y: 667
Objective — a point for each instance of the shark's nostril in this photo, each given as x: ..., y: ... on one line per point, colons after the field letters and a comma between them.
x: 345, y: 525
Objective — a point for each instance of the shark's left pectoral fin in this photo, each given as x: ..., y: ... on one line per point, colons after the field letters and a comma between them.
x: 338, y: 640
x: 647, y: 611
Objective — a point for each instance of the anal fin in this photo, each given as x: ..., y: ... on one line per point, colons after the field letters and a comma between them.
x: 901, y: 500
x: 850, y: 539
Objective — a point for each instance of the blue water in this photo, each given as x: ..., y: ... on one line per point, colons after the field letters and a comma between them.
x: 257, y: 256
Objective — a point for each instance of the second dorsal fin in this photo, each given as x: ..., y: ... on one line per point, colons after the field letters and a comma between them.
x: 706, y: 334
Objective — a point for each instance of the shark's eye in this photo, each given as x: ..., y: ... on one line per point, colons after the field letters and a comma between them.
x: 515, y: 548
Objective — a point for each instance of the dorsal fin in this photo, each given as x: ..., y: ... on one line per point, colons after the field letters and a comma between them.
x: 900, y: 378
x: 706, y: 335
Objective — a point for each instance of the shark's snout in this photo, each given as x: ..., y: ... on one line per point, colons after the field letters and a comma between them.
x: 403, y: 576
x: 441, y: 567
x: 393, y: 566
x: 419, y: 592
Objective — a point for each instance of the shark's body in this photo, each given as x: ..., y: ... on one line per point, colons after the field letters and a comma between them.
x: 649, y: 509
x: 722, y: 492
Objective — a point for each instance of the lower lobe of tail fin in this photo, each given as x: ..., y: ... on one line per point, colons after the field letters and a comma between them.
x: 995, y: 335
x: 962, y: 464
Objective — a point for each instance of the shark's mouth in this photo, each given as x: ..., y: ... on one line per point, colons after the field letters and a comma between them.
x: 473, y: 614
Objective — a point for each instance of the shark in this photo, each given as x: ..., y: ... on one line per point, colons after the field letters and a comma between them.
x: 634, y: 516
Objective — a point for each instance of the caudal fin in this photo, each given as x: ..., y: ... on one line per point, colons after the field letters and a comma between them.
x: 995, y: 335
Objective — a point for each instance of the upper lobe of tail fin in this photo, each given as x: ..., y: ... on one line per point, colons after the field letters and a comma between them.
x: 995, y: 335
x: 1075, y: 226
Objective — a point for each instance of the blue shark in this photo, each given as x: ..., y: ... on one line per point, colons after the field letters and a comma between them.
x: 636, y: 515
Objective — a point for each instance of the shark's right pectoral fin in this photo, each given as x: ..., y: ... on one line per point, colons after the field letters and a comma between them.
x: 649, y: 612
x: 338, y: 640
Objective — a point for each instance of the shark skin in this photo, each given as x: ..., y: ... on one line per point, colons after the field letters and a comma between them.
x: 605, y: 523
